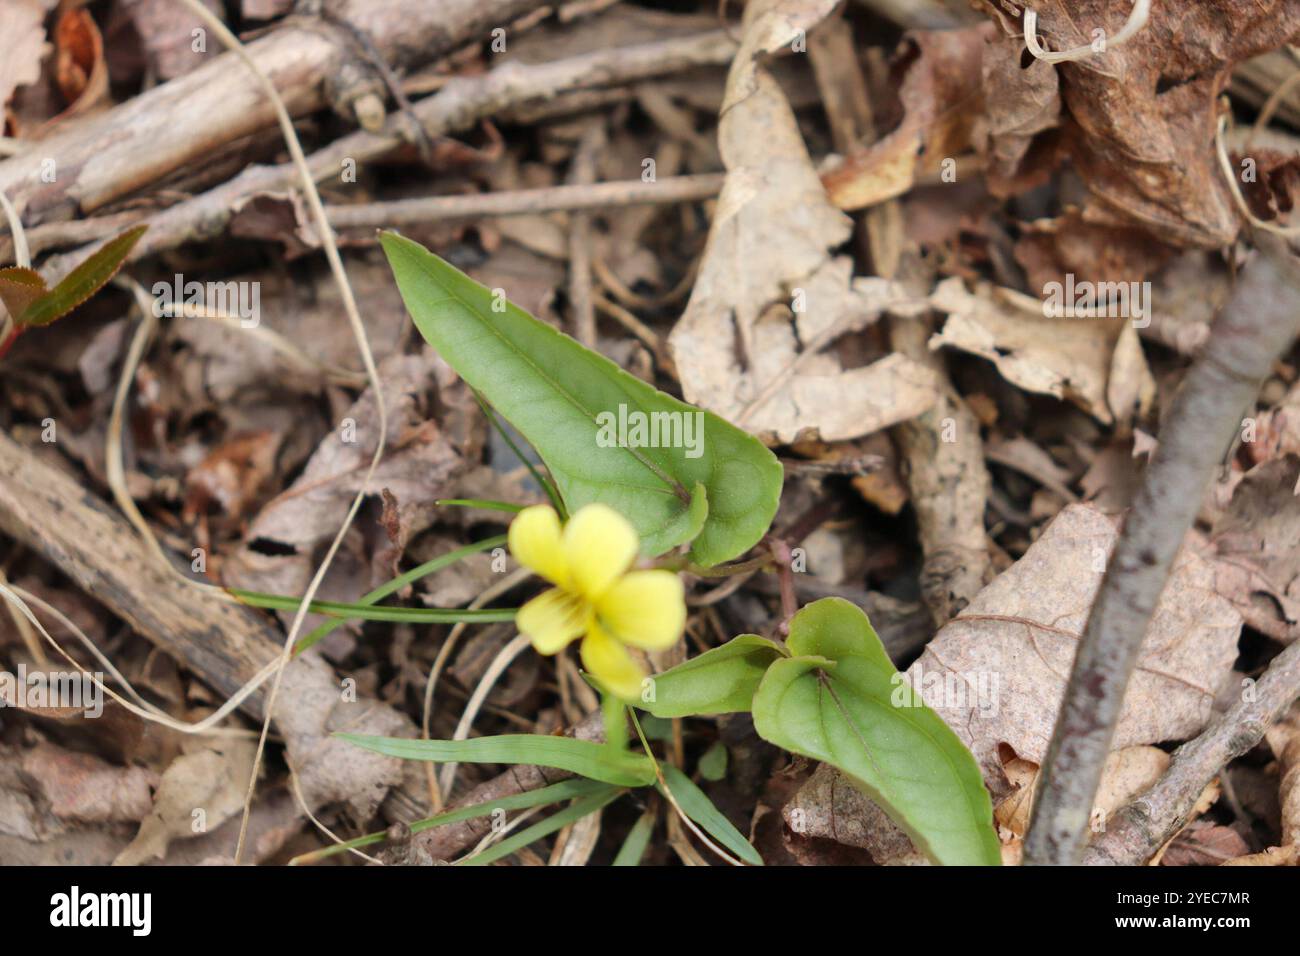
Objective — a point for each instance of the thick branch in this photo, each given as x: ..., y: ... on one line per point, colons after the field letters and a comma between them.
x: 1258, y: 323
x: 108, y: 156
x: 225, y: 644
x: 459, y: 105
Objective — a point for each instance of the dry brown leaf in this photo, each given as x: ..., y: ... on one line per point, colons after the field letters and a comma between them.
x: 1077, y: 243
x: 1126, y: 773
x: 1284, y: 739
x: 200, y: 790
x: 231, y: 474
x: 418, y: 463
x: 1273, y: 856
x: 1204, y: 843
x: 1009, y: 655
x: 235, y: 362
x: 82, y: 788
x: 1145, y: 113
x: 1279, y: 431
x: 22, y: 45
x: 1255, y: 540
x: 1024, y: 627
x: 79, y: 64
x: 1097, y: 363
x: 737, y: 350
x: 32, y: 834
x: 940, y: 105
x: 264, y: 9
x: 1019, y: 103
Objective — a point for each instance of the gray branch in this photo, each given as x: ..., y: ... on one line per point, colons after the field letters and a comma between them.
x: 1258, y: 323
x: 1137, y: 831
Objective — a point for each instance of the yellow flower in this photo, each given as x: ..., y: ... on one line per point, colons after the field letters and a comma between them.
x: 596, y: 595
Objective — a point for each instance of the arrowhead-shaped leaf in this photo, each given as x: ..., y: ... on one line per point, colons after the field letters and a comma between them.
x: 720, y: 681
x: 858, y: 716
x: 554, y: 391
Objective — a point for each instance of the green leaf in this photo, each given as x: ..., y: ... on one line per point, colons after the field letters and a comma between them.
x: 555, y: 821
x: 713, y: 762
x: 655, y: 728
x: 564, y: 790
x: 696, y: 804
x: 82, y: 282
x: 638, y: 838
x: 556, y: 393
x: 862, y: 718
x: 583, y: 757
x: 720, y: 681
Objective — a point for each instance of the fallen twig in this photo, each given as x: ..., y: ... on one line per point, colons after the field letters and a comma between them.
x: 225, y: 644
x: 1258, y: 322
x: 1138, y: 830
x: 102, y: 158
x: 570, y: 198
x: 582, y: 172
x: 462, y: 103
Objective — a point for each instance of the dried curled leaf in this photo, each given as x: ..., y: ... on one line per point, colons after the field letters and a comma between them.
x: 752, y: 345
x: 1144, y: 114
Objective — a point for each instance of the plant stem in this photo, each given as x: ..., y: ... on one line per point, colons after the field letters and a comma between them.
x: 785, y: 575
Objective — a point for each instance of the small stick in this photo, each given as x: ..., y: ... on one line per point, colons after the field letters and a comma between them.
x: 1258, y: 322
x: 583, y: 173
x: 1141, y: 828
x: 404, y: 212
x: 461, y: 103
x: 520, y: 202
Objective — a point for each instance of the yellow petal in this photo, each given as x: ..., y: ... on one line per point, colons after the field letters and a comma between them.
x: 645, y: 608
x: 552, y: 619
x: 536, y: 542
x: 599, y: 545
x: 610, y: 663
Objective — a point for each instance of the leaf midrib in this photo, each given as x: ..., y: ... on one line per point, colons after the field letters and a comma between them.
x: 954, y: 770
x: 572, y: 399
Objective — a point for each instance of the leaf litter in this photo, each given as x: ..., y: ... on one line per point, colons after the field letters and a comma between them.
x: 760, y: 305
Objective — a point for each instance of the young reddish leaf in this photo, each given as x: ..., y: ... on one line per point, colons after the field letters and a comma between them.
x: 19, y: 288
x: 83, y: 282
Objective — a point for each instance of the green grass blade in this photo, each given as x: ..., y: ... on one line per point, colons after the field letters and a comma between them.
x: 555, y: 821
x: 638, y: 838
x: 696, y: 804
x: 483, y: 504
x: 583, y: 757
x: 402, y: 580
x: 564, y: 790
x: 368, y: 612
